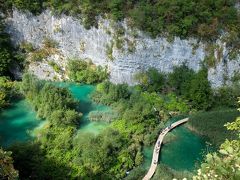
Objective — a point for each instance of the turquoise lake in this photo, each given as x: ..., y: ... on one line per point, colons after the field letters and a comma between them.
x: 19, y: 120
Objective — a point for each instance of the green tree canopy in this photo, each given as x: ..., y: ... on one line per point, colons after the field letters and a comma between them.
x: 7, y: 170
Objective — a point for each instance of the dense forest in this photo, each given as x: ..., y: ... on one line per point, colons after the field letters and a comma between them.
x: 60, y: 152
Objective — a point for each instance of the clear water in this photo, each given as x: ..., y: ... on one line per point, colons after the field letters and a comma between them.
x: 16, y: 123
x: 185, y: 152
x: 82, y: 93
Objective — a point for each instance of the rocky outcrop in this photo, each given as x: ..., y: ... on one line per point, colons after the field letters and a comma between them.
x: 123, y: 53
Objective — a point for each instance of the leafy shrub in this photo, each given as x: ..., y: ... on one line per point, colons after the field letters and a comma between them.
x: 224, y: 163
x: 180, y: 80
x: 49, y: 43
x: 226, y: 96
x: 49, y: 48
x: 86, y: 72
x: 109, y: 51
x: 200, y: 93
x: 39, y: 55
x: 7, y: 170
x: 152, y: 80
x: 6, y: 55
x: 45, y: 97
x: 34, y: 6
x: 55, y: 66
x: 27, y: 47
x: 7, y: 91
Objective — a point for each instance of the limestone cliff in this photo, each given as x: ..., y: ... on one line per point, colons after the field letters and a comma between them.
x: 123, y: 50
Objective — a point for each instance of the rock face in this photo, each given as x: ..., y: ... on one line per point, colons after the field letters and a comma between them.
x: 123, y: 54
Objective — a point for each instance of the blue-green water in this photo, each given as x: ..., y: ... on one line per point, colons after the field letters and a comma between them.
x: 82, y: 93
x: 185, y: 152
x: 17, y: 122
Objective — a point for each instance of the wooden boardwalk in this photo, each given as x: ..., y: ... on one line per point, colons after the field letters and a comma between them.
x: 157, y: 148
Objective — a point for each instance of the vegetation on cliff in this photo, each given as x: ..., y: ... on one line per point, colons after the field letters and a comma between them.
x: 184, y: 18
x: 84, y: 71
x: 6, y: 54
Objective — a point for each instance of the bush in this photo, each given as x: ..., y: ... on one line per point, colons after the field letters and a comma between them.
x: 55, y: 66
x: 49, y: 43
x: 200, y: 93
x: 48, y: 49
x: 34, y: 6
x: 7, y: 91
x: 27, y: 47
x: 86, y: 72
x: 180, y: 80
x: 6, y: 54
x: 45, y: 97
x: 151, y: 80
x: 7, y: 170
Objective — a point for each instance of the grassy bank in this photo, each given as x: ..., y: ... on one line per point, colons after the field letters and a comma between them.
x: 211, y: 124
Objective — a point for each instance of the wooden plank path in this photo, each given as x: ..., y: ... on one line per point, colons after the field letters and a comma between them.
x: 157, y: 148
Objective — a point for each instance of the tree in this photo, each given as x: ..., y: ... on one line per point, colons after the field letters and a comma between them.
x: 224, y: 164
x: 180, y: 80
x: 64, y: 118
x: 138, y: 158
x: 116, y: 9
x: 86, y: 72
x: 6, y: 91
x: 152, y: 80
x: 5, y: 50
x: 200, y: 93
x: 7, y: 170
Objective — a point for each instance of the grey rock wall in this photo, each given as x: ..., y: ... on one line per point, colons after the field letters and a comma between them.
x: 77, y: 42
